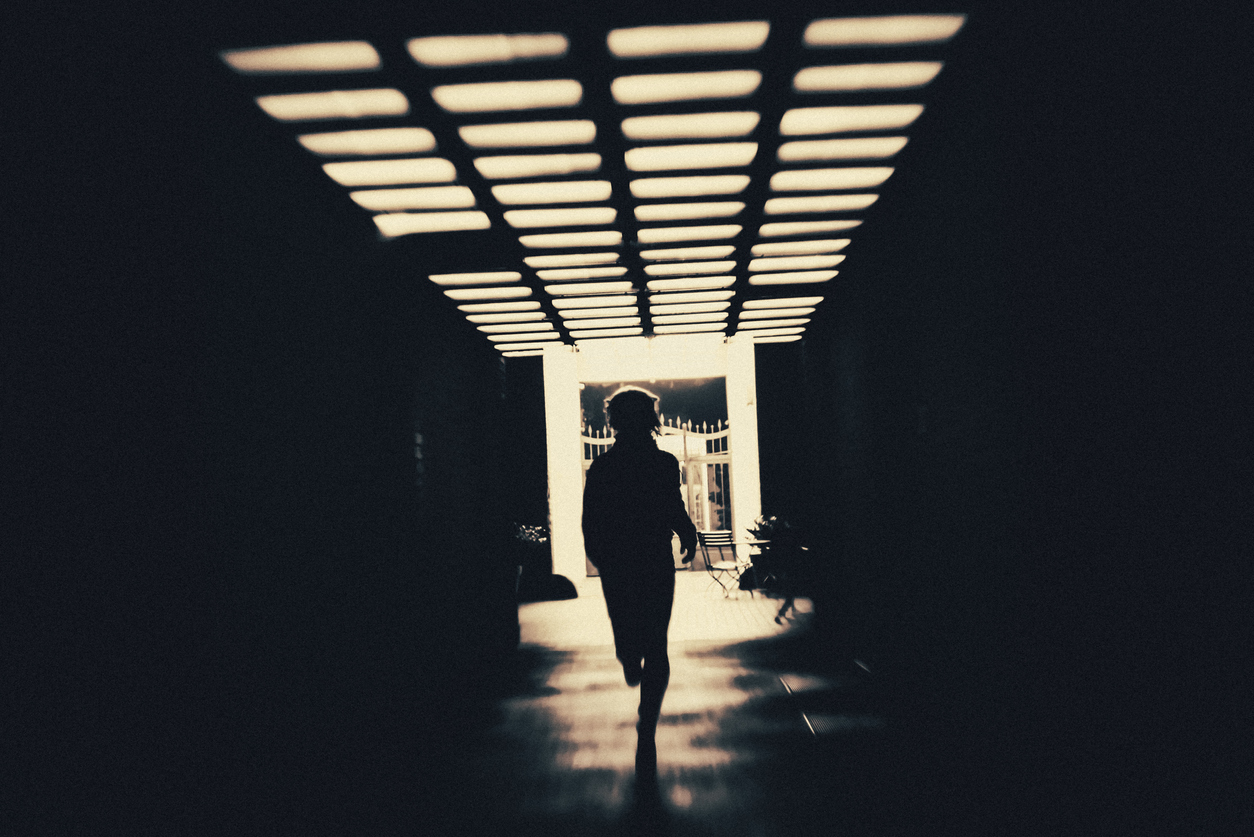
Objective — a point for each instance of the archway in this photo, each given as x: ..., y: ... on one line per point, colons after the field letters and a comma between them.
x: 726, y: 457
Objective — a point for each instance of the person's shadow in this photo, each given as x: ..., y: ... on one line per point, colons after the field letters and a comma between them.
x: 648, y: 813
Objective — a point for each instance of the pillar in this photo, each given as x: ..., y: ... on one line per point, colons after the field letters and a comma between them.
x: 565, y: 459
x: 742, y: 413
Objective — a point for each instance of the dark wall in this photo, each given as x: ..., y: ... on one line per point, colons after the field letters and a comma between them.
x: 1031, y: 487
x: 323, y: 367
x: 234, y: 601
x: 790, y: 433
x: 362, y: 592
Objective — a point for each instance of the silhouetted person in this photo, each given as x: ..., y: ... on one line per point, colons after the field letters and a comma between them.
x: 631, y: 505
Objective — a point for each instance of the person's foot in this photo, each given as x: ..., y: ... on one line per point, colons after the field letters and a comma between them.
x: 632, y: 672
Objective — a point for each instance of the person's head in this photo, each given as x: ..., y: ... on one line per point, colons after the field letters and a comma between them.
x: 631, y: 413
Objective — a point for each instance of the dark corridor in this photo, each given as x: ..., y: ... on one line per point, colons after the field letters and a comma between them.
x: 239, y: 606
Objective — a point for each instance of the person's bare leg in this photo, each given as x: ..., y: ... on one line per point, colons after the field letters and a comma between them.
x: 622, y: 600
x: 656, y: 672
x: 655, y: 677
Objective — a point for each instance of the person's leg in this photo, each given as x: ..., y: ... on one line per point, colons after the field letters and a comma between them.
x: 622, y: 604
x: 655, y: 676
x: 657, y: 599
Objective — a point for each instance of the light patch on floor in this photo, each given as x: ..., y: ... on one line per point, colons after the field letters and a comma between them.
x: 567, y: 751
x: 701, y: 613
x: 801, y: 683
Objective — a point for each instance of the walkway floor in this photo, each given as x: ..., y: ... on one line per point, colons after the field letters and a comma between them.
x: 747, y: 744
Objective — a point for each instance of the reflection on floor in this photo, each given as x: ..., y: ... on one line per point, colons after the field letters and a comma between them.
x: 743, y: 744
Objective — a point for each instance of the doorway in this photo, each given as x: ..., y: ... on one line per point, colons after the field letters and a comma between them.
x: 695, y: 430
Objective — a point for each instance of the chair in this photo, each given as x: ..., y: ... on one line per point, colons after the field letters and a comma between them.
x: 726, y: 573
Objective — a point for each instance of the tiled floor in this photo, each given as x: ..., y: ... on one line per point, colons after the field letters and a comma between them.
x: 560, y: 759
x: 763, y: 732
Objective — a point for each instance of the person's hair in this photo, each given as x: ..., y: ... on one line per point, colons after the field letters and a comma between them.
x: 631, y: 413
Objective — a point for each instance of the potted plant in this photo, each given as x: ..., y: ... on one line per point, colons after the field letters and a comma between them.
x: 530, y: 552
x: 534, y: 557
x: 780, y: 562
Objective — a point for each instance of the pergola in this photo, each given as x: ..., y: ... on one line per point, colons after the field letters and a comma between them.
x: 646, y: 180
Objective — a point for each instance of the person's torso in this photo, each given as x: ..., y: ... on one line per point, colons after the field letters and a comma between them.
x: 639, y: 491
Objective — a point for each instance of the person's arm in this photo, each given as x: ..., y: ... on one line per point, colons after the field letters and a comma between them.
x: 687, y: 538
x: 680, y: 523
x: 593, y: 521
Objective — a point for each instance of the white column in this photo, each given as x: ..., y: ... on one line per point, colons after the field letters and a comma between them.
x: 742, y: 413
x: 562, y: 426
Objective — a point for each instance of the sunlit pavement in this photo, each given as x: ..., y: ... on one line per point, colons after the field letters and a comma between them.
x: 745, y: 746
